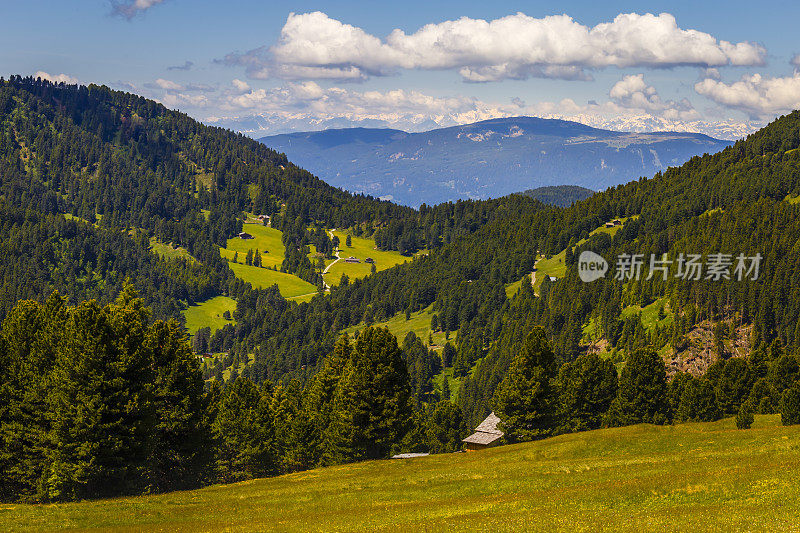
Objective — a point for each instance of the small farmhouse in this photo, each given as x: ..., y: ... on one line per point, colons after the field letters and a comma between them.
x: 486, y: 435
x: 245, y: 235
x: 609, y: 224
x: 351, y: 259
x: 369, y: 260
x: 617, y: 222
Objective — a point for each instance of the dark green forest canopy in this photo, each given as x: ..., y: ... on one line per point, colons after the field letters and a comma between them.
x: 135, y: 170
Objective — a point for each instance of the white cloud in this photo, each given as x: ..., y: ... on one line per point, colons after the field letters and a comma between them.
x: 759, y: 97
x: 240, y: 85
x: 633, y: 106
x: 168, y: 85
x: 633, y: 93
x: 131, y: 8
x: 313, y: 45
x: 58, y: 78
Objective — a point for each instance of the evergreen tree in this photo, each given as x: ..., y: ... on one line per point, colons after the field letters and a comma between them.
x: 244, y: 433
x: 642, y: 395
x: 698, y: 402
x: 526, y: 400
x: 102, y: 430
x: 734, y: 385
x: 182, y: 453
x: 446, y: 428
x: 790, y: 405
x: 348, y: 241
x: 587, y: 386
x: 371, y: 408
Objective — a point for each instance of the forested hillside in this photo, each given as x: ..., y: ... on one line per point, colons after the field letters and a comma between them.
x: 90, y: 178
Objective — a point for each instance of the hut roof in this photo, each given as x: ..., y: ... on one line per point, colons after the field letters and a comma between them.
x: 486, y: 432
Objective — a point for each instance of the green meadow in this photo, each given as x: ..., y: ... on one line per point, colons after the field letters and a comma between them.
x: 166, y: 251
x: 265, y: 239
x: 289, y: 284
x: 555, y: 266
x: 699, y: 477
x: 209, y: 313
x: 361, y: 249
x: 268, y: 243
x: 419, y: 322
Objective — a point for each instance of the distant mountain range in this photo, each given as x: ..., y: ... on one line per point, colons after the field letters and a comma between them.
x: 487, y: 159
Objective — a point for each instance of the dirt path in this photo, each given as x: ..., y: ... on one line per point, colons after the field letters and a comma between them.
x: 336, y: 252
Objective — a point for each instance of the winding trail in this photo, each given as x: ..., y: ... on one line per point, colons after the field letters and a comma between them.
x: 336, y: 252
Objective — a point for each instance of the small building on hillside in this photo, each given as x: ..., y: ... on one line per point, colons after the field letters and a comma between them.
x: 245, y: 235
x: 609, y: 224
x: 369, y: 260
x: 486, y: 435
x: 351, y: 259
x: 617, y: 222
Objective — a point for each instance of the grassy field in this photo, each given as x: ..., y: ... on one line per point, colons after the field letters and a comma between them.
x: 554, y: 266
x: 698, y: 477
x: 649, y: 314
x: 209, y: 313
x: 361, y: 249
x: 268, y: 242
x: 419, y: 323
x: 168, y: 252
x: 289, y: 284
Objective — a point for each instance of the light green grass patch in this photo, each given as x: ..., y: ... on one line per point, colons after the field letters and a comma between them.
x: 166, y: 251
x: 288, y: 284
x: 209, y: 313
x: 793, y: 199
x: 699, y: 477
x: 361, y: 249
x: 419, y: 323
x: 649, y: 314
x: 265, y: 239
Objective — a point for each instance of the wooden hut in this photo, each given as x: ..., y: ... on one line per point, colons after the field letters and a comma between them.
x: 486, y: 435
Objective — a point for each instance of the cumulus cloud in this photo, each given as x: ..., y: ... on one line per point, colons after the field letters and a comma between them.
x: 130, y: 8
x: 314, y: 45
x: 240, y: 85
x: 631, y: 92
x: 632, y: 106
x: 759, y: 97
x: 58, y: 78
x: 186, y: 66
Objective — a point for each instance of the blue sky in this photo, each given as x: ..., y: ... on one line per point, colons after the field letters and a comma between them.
x: 722, y: 68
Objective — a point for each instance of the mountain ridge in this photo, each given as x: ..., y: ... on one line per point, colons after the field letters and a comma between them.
x: 486, y: 159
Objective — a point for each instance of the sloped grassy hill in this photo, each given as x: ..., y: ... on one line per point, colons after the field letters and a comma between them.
x: 703, y: 477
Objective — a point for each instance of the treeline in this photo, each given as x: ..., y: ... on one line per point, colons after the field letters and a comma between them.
x: 537, y: 399
x: 99, y: 401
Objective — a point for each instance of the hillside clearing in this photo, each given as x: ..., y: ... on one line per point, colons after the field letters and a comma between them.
x: 209, y: 313
x: 361, y: 249
x: 703, y: 477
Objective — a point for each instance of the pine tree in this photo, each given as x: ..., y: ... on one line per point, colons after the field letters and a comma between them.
x: 29, y: 338
x: 101, y: 402
x: 790, y: 405
x: 642, y: 395
x: 587, y: 387
x: 526, y: 399
x: 446, y: 428
x: 244, y: 434
x: 371, y: 408
x: 182, y: 453
x: 348, y: 241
